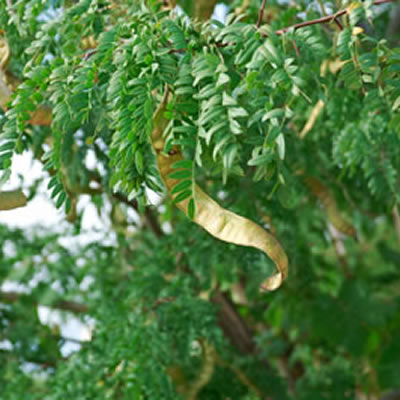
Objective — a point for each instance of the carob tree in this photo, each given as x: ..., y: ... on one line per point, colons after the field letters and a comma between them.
x: 277, y: 130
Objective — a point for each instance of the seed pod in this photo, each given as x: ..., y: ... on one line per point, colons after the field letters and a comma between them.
x: 216, y: 220
x: 327, y: 200
x: 12, y: 199
x: 5, y: 54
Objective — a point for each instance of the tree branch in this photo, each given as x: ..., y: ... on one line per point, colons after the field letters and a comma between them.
x: 339, y: 24
x: 65, y: 305
x: 10, y: 354
x: 239, y: 334
x: 232, y: 324
x: 150, y: 218
x: 12, y: 199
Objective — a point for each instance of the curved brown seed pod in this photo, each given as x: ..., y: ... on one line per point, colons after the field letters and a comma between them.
x: 219, y: 222
x: 327, y: 200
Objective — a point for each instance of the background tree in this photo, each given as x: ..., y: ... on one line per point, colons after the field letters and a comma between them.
x: 288, y: 115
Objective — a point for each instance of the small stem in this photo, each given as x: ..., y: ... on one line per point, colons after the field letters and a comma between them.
x: 88, y: 54
x: 338, y: 23
x: 149, y: 218
x: 296, y: 48
x: 260, y: 15
x: 323, y: 20
x: 65, y: 305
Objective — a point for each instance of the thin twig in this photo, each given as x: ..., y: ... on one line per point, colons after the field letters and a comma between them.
x: 296, y: 48
x: 149, y: 217
x: 89, y: 53
x: 338, y: 23
x: 323, y: 20
x: 260, y: 15
x: 65, y: 305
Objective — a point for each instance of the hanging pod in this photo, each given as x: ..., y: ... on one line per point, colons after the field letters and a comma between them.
x: 216, y: 220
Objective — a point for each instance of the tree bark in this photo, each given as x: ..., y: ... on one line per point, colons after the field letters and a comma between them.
x: 65, y: 305
x: 232, y: 324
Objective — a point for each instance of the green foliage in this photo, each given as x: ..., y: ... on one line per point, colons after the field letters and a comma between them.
x: 240, y: 101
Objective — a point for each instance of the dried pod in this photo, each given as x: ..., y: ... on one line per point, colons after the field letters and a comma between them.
x: 219, y: 222
x: 327, y: 200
